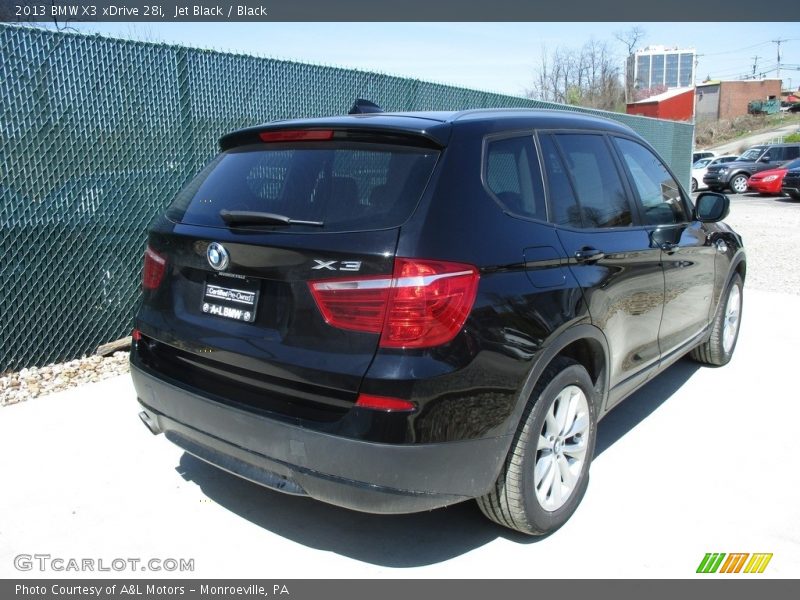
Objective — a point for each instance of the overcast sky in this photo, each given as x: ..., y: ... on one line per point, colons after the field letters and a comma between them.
x: 498, y: 57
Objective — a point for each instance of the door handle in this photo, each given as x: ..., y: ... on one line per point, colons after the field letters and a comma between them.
x: 589, y: 255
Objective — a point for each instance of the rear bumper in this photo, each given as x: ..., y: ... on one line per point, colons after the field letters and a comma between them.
x: 791, y: 188
x: 355, y: 474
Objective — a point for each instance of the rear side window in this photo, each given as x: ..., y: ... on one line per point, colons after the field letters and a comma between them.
x: 791, y: 152
x: 345, y: 186
x: 602, y: 200
x: 514, y: 178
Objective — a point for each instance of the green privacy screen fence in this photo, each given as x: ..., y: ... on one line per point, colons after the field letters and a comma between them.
x: 97, y: 135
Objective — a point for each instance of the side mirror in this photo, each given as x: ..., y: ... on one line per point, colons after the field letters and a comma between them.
x: 711, y: 207
x: 764, y: 159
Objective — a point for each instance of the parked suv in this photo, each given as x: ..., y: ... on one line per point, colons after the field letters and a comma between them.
x: 397, y: 312
x: 758, y: 158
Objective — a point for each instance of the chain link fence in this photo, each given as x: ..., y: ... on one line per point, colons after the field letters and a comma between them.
x: 97, y: 135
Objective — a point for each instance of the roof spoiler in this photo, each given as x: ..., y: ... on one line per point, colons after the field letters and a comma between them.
x: 362, y: 107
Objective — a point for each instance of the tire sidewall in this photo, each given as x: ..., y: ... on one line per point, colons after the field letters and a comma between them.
x: 539, y: 517
x: 736, y: 280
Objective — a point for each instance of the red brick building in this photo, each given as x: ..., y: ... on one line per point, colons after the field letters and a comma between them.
x: 717, y: 100
x: 675, y: 105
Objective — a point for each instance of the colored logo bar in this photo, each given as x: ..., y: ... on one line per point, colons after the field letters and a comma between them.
x: 716, y: 562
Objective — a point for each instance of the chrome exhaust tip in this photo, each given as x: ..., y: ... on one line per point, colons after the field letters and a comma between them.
x: 150, y: 423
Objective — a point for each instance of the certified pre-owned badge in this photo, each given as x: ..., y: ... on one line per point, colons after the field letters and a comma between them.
x: 218, y: 256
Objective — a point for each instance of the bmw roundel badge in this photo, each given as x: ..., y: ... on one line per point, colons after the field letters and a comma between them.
x: 217, y: 256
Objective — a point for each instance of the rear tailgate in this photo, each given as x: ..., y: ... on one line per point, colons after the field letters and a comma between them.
x: 288, y: 359
x: 252, y: 333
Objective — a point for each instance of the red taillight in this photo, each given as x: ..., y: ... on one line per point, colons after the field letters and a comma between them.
x: 430, y: 300
x: 155, y: 266
x: 425, y: 303
x: 296, y: 135
x: 383, y: 403
x: 357, y: 304
x: 136, y: 335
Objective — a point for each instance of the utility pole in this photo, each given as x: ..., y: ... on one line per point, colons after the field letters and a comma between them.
x: 755, y: 65
x: 778, y: 44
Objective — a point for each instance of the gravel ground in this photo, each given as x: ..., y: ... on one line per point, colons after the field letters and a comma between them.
x: 40, y: 381
x: 768, y: 225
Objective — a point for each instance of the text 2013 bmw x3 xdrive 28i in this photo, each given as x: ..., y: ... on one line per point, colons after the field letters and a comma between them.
x: 396, y: 312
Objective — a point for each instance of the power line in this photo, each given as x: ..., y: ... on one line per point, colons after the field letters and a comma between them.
x: 755, y: 71
x: 737, y: 50
x: 763, y: 67
x: 761, y: 73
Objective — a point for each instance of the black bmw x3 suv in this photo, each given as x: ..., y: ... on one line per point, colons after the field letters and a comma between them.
x: 397, y: 312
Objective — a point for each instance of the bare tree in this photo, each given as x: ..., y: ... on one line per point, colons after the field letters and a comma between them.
x: 587, y: 76
x: 630, y: 38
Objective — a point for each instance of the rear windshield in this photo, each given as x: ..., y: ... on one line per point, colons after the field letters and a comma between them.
x: 346, y: 187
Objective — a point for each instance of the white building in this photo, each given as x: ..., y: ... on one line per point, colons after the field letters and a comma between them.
x: 657, y: 66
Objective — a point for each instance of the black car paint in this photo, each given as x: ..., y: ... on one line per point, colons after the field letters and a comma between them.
x: 535, y: 301
x: 791, y: 183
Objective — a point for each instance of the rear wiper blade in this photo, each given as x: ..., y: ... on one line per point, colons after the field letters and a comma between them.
x: 254, y: 217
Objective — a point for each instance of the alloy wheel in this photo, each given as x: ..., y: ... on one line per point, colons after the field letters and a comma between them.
x: 561, y: 448
x: 739, y: 184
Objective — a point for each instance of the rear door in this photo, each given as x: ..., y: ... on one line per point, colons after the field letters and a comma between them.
x: 246, y: 308
x: 610, y: 256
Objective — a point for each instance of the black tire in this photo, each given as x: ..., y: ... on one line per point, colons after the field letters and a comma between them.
x: 713, y: 351
x: 794, y: 195
x: 694, y: 184
x: 513, y: 501
x: 738, y: 183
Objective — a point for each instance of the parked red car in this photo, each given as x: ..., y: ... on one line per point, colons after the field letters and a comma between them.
x: 769, y: 182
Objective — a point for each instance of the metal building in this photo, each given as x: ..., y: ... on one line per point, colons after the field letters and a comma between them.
x: 675, y: 105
